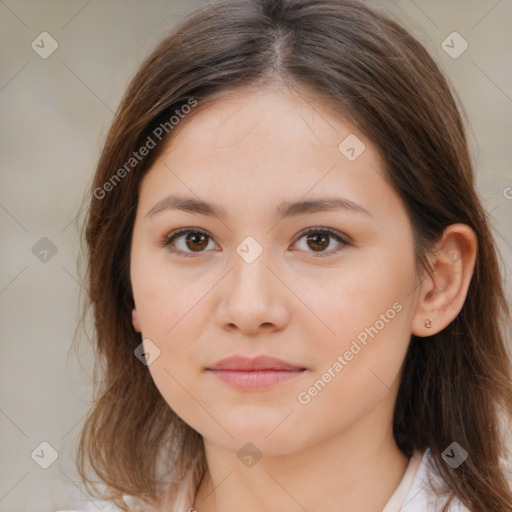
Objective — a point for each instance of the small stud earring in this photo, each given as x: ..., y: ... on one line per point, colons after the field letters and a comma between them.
x: 428, y: 323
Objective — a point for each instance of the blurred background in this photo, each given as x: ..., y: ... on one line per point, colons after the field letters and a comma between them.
x: 63, y: 69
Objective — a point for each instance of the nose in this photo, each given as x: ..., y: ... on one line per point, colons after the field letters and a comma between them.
x: 254, y: 299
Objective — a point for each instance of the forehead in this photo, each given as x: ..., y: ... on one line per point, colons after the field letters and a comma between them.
x: 261, y: 146
x: 244, y: 116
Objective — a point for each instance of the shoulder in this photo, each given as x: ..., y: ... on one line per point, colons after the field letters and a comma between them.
x: 428, y: 490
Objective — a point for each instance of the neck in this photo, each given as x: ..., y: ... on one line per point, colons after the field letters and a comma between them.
x: 353, y: 470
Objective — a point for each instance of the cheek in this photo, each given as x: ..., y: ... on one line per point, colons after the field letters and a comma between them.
x: 358, y: 296
x: 360, y: 365
x: 173, y: 308
x: 163, y: 294
x: 368, y: 311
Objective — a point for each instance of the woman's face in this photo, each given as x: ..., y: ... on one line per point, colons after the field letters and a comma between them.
x: 336, y: 304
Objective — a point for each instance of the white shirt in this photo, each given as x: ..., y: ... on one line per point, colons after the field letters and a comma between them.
x: 413, y: 494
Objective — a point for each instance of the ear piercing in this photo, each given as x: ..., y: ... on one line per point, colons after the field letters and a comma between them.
x: 428, y: 323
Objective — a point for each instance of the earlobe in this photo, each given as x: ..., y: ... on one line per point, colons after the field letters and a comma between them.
x: 444, y: 290
x: 135, y: 320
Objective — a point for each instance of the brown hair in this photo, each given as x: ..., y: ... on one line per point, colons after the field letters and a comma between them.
x: 456, y: 385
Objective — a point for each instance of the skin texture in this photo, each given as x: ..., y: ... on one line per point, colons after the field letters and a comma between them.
x: 247, y: 153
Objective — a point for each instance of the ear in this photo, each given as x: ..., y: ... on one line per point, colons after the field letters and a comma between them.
x: 443, y: 291
x: 135, y: 320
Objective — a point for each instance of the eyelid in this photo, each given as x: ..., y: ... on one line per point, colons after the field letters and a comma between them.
x: 341, y: 238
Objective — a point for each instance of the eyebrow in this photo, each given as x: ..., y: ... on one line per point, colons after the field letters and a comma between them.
x: 284, y: 210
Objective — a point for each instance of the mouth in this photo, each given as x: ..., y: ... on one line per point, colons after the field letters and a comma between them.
x: 255, y: 373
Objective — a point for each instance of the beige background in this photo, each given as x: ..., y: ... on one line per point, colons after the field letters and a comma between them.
x: 55, y: 113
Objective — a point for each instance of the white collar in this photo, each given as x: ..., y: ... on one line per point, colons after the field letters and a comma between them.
x: 422, y: 488
x: 398, y: 498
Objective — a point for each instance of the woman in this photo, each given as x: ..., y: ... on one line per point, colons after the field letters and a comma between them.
x: 295, y: 289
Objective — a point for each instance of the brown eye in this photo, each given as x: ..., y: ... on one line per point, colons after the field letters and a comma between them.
x: 319, y: 239
x: 192, y: 241
x: 196, y: 241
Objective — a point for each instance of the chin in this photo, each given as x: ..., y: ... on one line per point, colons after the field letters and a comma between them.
x: 253, y: 445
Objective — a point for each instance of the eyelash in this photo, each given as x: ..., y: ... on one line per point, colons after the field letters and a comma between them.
x: 173, y: 235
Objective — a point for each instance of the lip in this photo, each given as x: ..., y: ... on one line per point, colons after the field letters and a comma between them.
x: 240, y: 363
x: 255, y: 373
